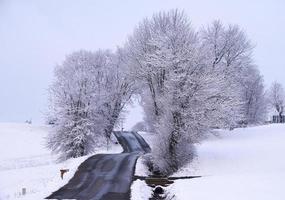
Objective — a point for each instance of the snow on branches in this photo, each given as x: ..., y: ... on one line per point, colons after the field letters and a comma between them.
x: 192, y: 82
x: 87, y: 96
x: 189, y: 82
x: 276, y: 98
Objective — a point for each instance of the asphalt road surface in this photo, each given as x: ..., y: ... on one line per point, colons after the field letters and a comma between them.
x: 106, y: 176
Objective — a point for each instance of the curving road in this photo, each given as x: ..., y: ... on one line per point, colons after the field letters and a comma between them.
x: 106, y: 176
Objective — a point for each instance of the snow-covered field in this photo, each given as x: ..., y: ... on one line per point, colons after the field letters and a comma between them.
x: 26, y: 163
x: 243, y: 164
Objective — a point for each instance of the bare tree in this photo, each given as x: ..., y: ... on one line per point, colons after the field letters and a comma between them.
x: 277, y: 98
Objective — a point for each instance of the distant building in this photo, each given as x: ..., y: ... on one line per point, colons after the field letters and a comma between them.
x: 273, y: 116
x: 278, y: 119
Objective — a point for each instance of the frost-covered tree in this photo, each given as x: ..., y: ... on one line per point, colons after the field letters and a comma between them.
x: 183, y: 96
x: 88, y: 93
x: 190, y: 82
x: 152, y: 54
x: 254, y: 98
x: 119, y: 87
x: 229, y: 52
x: 277, y: 98
x: 71, y: 96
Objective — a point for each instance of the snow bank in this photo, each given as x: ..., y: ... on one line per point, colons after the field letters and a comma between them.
x: 26, y: 163
x: 243, y: 164
x: 139, y: 189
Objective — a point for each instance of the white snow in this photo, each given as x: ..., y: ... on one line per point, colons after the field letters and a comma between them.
x: 26, y: 163
x: 141, y: 169
x: 243, y: 164
x: 139, y: 189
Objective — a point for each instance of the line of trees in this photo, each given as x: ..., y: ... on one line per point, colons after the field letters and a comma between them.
x: 189, y: 81
x: 192, y: 82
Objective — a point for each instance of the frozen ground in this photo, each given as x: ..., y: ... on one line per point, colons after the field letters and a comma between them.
x: 26, y: 163
x: 244, y: 164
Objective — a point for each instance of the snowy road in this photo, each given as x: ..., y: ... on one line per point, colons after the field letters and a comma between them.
x: 106, y: 176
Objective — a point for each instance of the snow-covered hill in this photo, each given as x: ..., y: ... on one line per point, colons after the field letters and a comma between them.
x: 244, y: 164
x: 26, y: 163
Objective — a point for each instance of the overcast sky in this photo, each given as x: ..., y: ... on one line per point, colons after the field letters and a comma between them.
x: 35, y: 35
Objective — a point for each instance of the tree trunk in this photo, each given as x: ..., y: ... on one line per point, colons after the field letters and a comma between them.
x: 280, y: 117
x: 114, y: 117
x: 174, y: 139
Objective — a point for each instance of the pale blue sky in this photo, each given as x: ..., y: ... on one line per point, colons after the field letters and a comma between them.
x: 37, y: 34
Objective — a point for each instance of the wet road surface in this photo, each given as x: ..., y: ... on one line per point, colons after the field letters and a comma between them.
x: 106, y: 176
